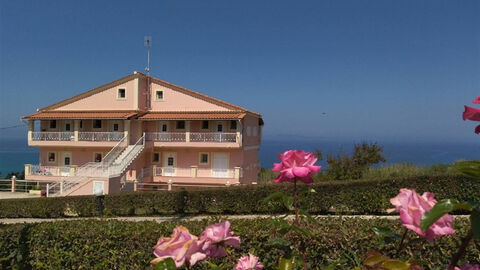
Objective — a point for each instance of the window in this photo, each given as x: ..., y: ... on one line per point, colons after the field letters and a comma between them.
x: 121, y: 93
x: 115, y: 127
x: 67, y: 127
x: 159, y: 95
x: 81, y: 124
x: 203, y: 158
x: 51, y: 157
x: 164, y: 127
x: 255, y: 131
x: 181, y: 124
x: 233, y: 124
x: 97, y: 157
x: 97, y: 124
x: 205, y: 124
x: 66, y: 161
x: 219, y: 128
x: 156, y: 157
x: 249, y: 131
x: 53, y: 123
x: 170, y: 161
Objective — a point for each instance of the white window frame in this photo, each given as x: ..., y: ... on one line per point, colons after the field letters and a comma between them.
x: 156, y: 96
x: 54, y: 157
x: 118, y: 93
x: 200, y: 158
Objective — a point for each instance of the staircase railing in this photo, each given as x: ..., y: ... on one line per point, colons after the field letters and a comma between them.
x: 115, y: 152
x: 118, y: 167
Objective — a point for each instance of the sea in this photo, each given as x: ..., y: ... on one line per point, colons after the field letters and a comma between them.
x: 14, y: 152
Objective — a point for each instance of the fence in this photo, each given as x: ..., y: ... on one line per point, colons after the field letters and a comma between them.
x: 18, y: 185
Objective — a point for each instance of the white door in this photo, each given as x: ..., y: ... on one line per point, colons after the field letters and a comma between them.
x: 98, y: 187
x: 66, y: 163
x: 163, y: 134
x: 169, y: 164
x: 220, y: 165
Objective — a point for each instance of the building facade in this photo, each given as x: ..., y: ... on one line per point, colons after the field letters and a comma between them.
x: 139, y: 129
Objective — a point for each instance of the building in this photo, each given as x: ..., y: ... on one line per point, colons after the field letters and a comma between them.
x: 139, y: 129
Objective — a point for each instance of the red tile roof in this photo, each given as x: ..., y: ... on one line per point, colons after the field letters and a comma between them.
x: 192, y: 115
x: 82, y: 115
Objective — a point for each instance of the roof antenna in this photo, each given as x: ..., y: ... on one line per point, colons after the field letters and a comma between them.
x: 147, y: 42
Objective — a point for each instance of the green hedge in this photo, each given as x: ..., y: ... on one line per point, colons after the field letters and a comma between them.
x: 97, y: 244
x: 354, y: 197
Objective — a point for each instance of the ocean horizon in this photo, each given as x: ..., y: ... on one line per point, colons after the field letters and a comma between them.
x: 15, y: 152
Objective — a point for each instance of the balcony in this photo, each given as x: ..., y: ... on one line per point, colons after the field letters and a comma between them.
x: 48, y: 173
x: 195, y: 139
x: 191, y: 175
x: 67, y: 138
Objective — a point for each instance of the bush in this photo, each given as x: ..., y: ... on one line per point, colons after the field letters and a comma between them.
x: 94, y: 244
x: 353, y: 197
x: 343, y: 167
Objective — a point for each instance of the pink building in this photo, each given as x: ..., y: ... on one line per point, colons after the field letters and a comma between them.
x: 142, y: 131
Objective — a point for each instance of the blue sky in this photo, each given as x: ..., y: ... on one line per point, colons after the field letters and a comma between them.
x: 380, y: 70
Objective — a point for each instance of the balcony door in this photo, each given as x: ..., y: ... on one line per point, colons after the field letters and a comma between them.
x: 220, y: 165
x: 169, y: 164
x: 162, y: 131
x: 66, y: 163
x: 219, y: 136
x: 67, y: 126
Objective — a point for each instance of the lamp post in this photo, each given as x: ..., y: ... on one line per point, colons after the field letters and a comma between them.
x: 100, y: 198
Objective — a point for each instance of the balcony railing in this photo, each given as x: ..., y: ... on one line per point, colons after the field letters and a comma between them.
x: 193, y: 172
x: 51, y: 170
x: 100, y: 136
x: 53, y: 136
x: 213, y: 137
x: 193, y: 137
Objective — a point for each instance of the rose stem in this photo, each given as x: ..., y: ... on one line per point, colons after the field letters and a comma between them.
x: 401, y: 241
x: 297, y: 221
x: 461, y: 250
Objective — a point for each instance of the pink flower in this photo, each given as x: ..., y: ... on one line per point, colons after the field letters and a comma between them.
x: 476, y: 100
x: 296, y: 164
x: 216, y: 237
x: 180, y: 246
x: 468, y: 267
x: 248, y: 262
x: 412, y: 206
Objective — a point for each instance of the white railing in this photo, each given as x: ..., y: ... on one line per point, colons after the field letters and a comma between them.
x: 213, y: 137
x: 115, y: 152
x: 100, y: 136
x: 166, y: 136
x: 125, y: 159
x: 51, y: 170
x: 53, y: 136
x: 186, y: 172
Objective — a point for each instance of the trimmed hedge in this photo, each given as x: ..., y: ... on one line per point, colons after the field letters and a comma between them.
x: 353, y: 197
x: 100, y: 244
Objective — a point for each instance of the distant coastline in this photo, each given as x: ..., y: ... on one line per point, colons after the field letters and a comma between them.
x: 14, y: 153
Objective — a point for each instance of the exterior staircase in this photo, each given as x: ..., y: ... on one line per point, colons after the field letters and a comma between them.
x: 114, y: 164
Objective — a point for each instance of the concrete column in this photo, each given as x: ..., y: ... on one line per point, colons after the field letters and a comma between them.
x: 28, y: 169
x: 73, y: 169
x: 170, y: 182
x: 135, y: 183
x: 61, y: 187
x: 187, y: 131
x: 239, y: 132
x: 236, y: 173
x: 126, y: 129
x: 13, y: 182
x: 30, y: 129
x: 193, y: 171
x: 76, y: 128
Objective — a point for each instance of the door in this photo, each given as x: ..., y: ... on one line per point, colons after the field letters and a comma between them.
x: 220, y: 165
x: 66, y: 163
x: 219, y: 136
x: 169, y: 164
x: 98, y: 188
x: 163, y: 134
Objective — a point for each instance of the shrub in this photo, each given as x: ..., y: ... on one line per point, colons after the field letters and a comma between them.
x: 94, y: 244
x: 353, y: 197
x: 364, y: 155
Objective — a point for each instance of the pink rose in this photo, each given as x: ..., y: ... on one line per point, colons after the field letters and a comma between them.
x: 471, y: 114
x: 412, y: 206
x: 296, y: 164
x: 216, y: 237
x: 180, y: 246
x: 468, y: 267
x: 248, y: 262
x: 476, y: 100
